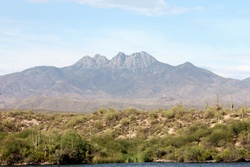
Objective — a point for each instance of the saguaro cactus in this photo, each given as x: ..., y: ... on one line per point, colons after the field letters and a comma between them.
x: 36, y: 137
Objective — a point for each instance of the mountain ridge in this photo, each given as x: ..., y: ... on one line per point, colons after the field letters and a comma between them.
x: 120, y: 61
x: 135, y: 76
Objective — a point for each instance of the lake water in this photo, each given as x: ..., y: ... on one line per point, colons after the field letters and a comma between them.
x: 157, y: 165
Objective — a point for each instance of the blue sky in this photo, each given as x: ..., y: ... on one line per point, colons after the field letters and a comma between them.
x: 213, y: 34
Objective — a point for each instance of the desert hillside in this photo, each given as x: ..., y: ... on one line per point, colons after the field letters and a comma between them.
x: 108, y: 135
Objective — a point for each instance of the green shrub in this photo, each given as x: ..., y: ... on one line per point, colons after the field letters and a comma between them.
x: 125, y: 122
x: 76, y: 120
x: 195, y: 154
x: 210, y: 113
x: 169, y: 114
x: 14, y: 150
x: 152, y: 115
x: 237, y: 127
x: 232, y: 155
x: 219, y: 137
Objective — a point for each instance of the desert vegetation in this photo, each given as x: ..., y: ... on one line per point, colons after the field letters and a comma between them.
x: 176, y: 134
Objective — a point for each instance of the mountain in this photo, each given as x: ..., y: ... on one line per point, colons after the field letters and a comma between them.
x: 137, y: 80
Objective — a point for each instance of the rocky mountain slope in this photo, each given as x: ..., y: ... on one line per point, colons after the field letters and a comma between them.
x: 136, y: 80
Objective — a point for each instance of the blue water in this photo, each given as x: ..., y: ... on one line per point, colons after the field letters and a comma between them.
x: 158, y: 165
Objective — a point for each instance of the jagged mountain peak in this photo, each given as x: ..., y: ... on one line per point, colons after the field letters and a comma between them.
x: 121, y: 61
x: 92, y: 62
x: 142, y: 54
x: 85, y: 61
x: 98, y: 56
x: 121, y: 54
x: 144, y: 57
x: 118, y: 60
x: 133, y: 61
x: 100, y: 60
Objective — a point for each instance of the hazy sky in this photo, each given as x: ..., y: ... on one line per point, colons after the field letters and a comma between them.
x: 213, y: 34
